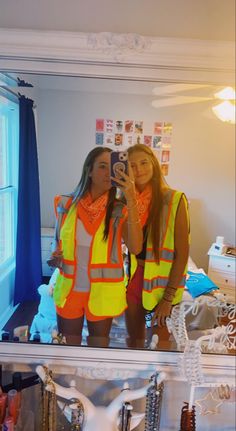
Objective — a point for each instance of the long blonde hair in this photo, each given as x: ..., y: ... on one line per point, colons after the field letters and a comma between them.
x: 155, y: 211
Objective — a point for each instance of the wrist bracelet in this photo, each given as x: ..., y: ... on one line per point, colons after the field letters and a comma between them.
x: 169, y: 294
x: 169, y: 297
x: 167, y: 300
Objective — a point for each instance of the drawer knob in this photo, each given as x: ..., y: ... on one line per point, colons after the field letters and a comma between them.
x: 228, y: 266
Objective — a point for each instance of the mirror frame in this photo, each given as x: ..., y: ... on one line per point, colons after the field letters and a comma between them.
x: 120, y: 56
x: 117, y: 55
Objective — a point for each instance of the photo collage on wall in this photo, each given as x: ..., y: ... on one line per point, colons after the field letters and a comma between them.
x: 121, y: 134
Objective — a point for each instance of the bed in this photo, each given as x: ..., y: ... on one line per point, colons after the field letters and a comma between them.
x: 44, y: 322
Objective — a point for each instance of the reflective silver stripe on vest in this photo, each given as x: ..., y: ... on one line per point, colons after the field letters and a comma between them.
x: 105, y: 273
x: 165, y: 254
x: 61, y: 210
x: 68, y: 269
x: 116, y: 216
x: 159, y: 282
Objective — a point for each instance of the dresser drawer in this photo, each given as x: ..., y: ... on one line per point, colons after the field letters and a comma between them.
x: 221, y: 263
x: 222, y: 278
x: 46, y: 243
x: 45, y: 254
x: 229, y: 292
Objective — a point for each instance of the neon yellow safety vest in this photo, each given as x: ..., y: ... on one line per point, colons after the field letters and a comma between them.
x: 107, y: 287
x: 156, y: 276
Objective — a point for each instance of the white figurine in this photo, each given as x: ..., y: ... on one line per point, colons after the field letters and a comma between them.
x: 95, y: 418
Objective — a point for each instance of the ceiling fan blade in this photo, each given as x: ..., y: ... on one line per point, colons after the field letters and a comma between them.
x: 178, y: 100
x: 176, y: 88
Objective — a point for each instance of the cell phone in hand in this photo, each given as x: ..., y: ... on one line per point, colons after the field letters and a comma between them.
x: 148, y: 319
x: 119, y: 161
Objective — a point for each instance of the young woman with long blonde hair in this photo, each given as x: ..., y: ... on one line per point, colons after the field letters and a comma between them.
x: 157, y: 274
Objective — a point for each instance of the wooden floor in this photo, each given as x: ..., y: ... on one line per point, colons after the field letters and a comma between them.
x: 23, y: 315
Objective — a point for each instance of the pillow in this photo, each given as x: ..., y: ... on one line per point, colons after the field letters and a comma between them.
x: 198, y: 283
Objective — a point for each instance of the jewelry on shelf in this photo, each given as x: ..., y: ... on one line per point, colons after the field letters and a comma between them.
x: 99, y: 417
x: 77, y: 416
x: 224, y: 392
x: 153, y: 404
x: 125, y: 416
x: 188, y: 418
x: 209, y: 404
x: 191, y: 363
x: 49, y: 414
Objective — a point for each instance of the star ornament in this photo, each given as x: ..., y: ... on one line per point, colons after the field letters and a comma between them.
x: 208, y: 404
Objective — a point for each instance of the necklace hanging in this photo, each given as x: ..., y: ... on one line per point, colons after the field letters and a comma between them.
x: 48, y: 401
x: 153, y: 405
x: 77, y: 416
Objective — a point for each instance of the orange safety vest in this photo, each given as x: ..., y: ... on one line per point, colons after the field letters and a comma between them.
x: 107, y: 289
x: 156, y: 276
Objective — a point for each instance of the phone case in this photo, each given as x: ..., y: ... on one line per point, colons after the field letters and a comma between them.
x: 119, y: 160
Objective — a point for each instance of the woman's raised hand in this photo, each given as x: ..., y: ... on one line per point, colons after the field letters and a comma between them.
x: 126, y: 183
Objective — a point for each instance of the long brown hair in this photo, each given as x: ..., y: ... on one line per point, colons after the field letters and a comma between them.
x: 156, y: 205
x: 85, y: 182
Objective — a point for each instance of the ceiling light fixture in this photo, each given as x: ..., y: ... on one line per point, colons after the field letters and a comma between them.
x: 228, y: 93
x: 225, y: 110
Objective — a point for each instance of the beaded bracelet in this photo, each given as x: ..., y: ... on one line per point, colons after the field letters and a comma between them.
x: 167, y: 300
x: 170, y: 297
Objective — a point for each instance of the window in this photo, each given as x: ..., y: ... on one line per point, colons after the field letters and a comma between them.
x: 9, y: 156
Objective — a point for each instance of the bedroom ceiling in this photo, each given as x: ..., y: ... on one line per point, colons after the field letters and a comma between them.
x: 202, y: 19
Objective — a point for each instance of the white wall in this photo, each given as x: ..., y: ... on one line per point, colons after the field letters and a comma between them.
x: 202, y: 155
x: 202, y: 19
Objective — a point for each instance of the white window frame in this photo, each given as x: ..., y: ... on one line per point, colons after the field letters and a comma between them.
x: 9, y: 108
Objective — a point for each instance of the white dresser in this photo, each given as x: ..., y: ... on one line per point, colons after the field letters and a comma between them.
x: 221, y: 270
x: 47, y: 235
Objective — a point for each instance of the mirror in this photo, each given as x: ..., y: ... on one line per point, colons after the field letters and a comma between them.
x: 197, y: 157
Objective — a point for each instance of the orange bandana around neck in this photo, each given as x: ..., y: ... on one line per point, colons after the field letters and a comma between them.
x: 144, y: 199
x: 91, y: 212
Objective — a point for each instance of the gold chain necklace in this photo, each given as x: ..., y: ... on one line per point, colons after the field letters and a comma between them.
x: 48, y: 402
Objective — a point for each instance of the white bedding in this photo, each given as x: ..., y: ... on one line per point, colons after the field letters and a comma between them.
x: 45, y: 321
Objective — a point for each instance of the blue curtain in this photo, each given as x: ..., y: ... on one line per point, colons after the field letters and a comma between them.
x: 28, y: 246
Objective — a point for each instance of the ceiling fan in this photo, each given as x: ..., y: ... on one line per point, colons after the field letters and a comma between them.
x: 180, y: 94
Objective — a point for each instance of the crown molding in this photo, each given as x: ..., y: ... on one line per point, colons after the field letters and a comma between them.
x: 116, y: 55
